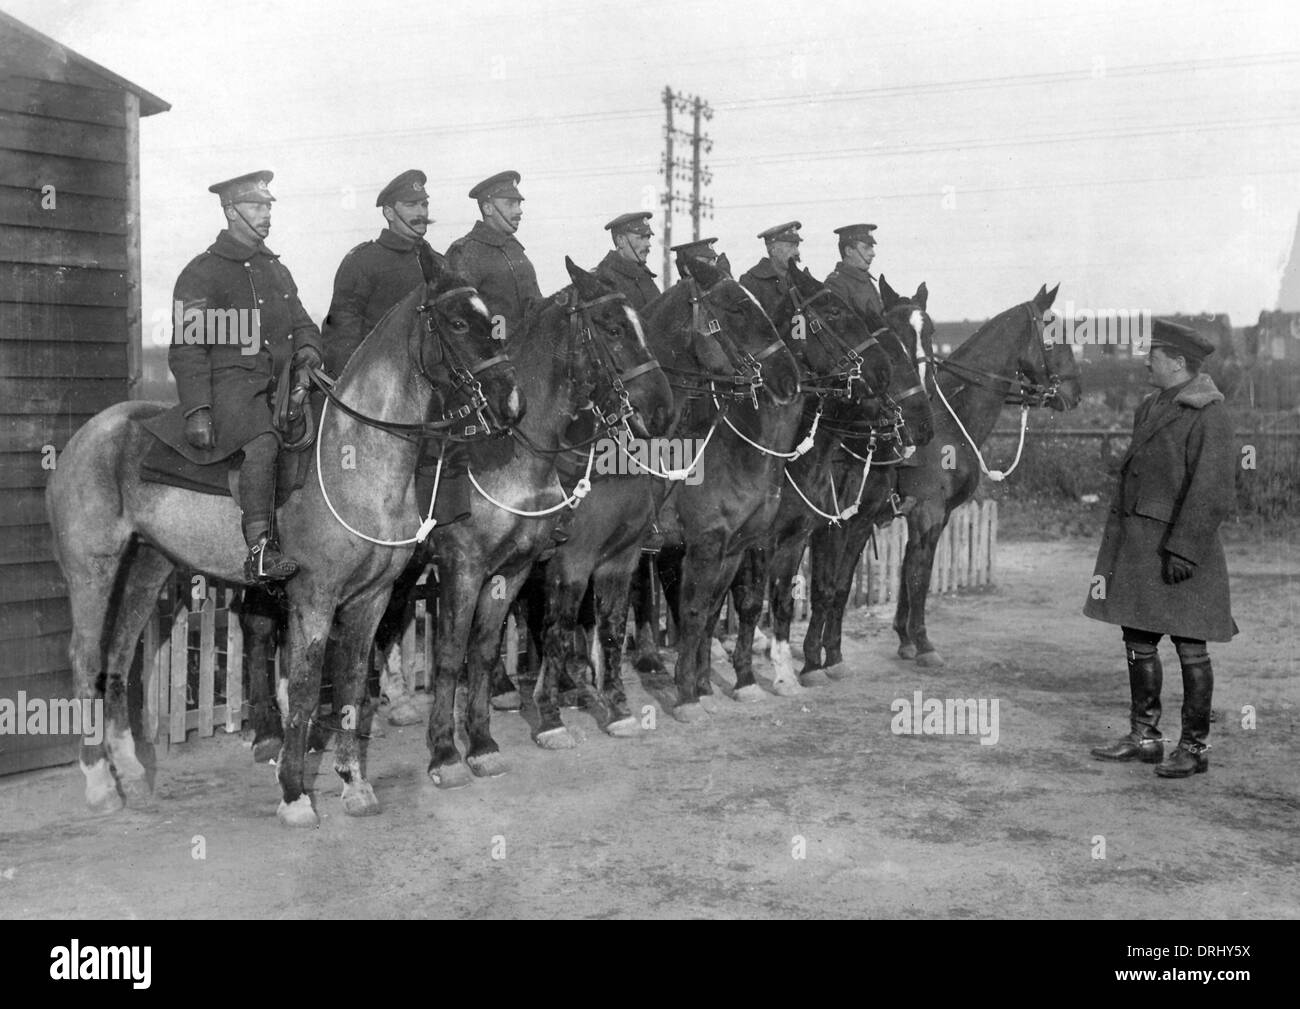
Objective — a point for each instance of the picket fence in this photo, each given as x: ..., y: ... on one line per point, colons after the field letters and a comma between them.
x: 191, y: 660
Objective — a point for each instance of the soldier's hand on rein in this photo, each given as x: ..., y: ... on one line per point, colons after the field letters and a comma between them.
x: 1176, y: 569
x: 198, y: 428
x: 307, y: 357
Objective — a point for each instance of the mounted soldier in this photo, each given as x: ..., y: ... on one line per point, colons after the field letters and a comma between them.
x: 703, y: 250
x: 1161, y: 568
x: 766, y: 279
x: 624, y: 266
x: 225, y: 385
x: 490, y: 256
x: 851, y: 279
x: 376, y: 275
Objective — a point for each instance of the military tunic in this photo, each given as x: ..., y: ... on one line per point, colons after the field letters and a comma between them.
x: 856, y: 286
x: 372, y: 278
x: 237, y: 386
x: 1176, y: 485
x: 632, y: 278
x: 765, y: 284
x: 494, y: 262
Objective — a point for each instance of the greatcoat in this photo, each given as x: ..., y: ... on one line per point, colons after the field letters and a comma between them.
x: 634, y: 279
x: 857, y: 287
x: 1176, y: 485
x: 236, y: 385
x: 494, y: 262
x: 765, y: 284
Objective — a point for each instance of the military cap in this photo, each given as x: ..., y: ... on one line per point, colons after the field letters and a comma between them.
x: 1182, y: 340
x: 406, y: 188
x: 499, y: 187
x: 857, y: 233
x: 635, y: 224
x: 701, y: 249
x: 788, y: 232
x: 250, y: 188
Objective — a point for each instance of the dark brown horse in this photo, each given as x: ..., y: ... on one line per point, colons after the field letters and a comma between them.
x: 1006, y: 360
x: 582, y: 350
x: 118, y: 539
x: 887, y: 422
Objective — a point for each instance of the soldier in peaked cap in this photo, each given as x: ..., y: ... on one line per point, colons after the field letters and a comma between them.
x: 851, y: 279
x: 225, y: 392
x: 492, y: 258
x: 1161, y: 568
x: 766, y: 279
x: 624, y: 265
x: 376, y: 275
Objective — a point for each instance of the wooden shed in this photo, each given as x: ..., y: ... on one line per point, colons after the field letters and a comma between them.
x: 70, y: 332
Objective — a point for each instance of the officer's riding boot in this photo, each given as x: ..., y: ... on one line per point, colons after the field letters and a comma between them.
x: 1143, y: 741
x: 1189, y: 756
x: 257, y: 498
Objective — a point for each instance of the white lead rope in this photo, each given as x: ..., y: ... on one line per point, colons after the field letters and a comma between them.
x: 669, y: 474
x: 426, y: 526
x: 802, y: 448
x: 847, y: 513
x: 580, y: 491
x: 995, y: 475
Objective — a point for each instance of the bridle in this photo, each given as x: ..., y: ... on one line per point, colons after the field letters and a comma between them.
x: 1020, y: 390
x: 450, y: 425
x: 849, y: 359
x: 747, y: 377
x: 582, y: 334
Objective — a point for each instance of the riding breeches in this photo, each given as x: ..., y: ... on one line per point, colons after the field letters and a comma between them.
x: 257, y: 485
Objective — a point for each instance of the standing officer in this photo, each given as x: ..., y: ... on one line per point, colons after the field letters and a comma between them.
x: 766, y: 279
x: 376, y: 275
x: 624, y: 266
x: 851, y: 279
x: 224, y: 392
x: 1161, y: 568
x: 490, y: 256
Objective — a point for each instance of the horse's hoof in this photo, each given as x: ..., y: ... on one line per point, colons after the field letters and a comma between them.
x: 298, y: 813
x: 449, y: 776
x: 104, y: 803
x: 907, y: 651
x: 138, y: 793
x: 749, y: 693
x: 690, y: 713
x: 359, y: 799
x: 623, y: 728
x: 267, y: 750
x: 556, y: 739
x: 405, y: 712
x: 509, y: 701
x: 814, y: 678
x: 487, y: 765
x: 930, y: 659
x: 101, y: 789
x: 839, y: 671
x: 761, y: 643
x: 786, y: 688
x: 649, y: 662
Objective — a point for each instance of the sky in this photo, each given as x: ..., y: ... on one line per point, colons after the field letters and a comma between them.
x: 1144, y: 155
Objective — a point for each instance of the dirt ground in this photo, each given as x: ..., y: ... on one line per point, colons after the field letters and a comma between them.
x: 800, y: 807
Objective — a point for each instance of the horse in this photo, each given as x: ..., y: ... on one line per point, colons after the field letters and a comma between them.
x: 1006, y: 360
x: 118, y: 539
x: 606, y: 545
x: 889, y: 422
x: 582, y: 350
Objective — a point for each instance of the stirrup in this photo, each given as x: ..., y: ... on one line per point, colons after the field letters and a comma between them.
x: 265, y: 563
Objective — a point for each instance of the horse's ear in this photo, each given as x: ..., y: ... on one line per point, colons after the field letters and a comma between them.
x: 1044, y: 298
x: 724, y: 265
x: 1042, y: 293
x: 921, y: 296
x: 888, y: 296
x: 588, y: 285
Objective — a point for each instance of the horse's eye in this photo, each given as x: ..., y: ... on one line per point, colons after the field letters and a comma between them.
x: 459, y: 325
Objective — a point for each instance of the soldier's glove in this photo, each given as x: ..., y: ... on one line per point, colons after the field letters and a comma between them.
x: 198, y: 428
x: 1176, y: 569
x: 304, y: 360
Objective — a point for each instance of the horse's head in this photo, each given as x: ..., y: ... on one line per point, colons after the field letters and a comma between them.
x: 608, y: 349
x: 454, y: 349
x: 832, y: 341
x: 910, y: 332
x: 1051, y: 373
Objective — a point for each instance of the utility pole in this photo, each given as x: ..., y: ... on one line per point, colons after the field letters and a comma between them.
x: 675, y: 169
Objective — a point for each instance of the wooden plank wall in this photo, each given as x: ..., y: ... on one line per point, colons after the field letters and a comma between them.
x: 65, y: 293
